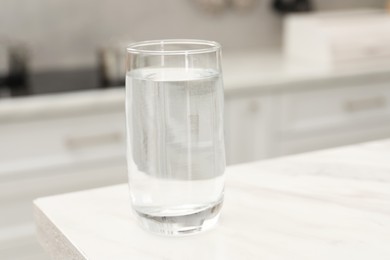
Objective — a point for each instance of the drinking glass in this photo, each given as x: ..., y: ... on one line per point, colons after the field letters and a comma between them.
x: 175, y: 139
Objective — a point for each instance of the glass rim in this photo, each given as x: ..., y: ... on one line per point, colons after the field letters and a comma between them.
x: 208, y: 46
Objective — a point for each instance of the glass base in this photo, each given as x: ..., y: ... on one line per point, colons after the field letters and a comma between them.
x: 181, y: 225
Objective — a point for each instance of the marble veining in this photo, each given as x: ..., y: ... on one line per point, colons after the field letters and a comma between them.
x: 332, y: 204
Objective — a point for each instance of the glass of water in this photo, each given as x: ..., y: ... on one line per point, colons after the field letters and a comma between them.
x: 175, y: 150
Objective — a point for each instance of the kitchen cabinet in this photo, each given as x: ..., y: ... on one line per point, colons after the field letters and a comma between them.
x: 334, y: 116
x: 247, y: 128
x: 46, y: 150
x: 269, y: 117
x: 310, y: 111
x: 17, y: 234
x: 60, y: 140
x: 287, y: 121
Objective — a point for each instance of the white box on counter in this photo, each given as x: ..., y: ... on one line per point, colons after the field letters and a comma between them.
x: 335, y: 38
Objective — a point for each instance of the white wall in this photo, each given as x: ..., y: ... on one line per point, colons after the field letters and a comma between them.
x: 65, y: 33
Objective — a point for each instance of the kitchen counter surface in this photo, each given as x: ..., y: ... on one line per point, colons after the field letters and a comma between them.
x: 331, y: 204
x: 253, y: 71
x: 244, y: 73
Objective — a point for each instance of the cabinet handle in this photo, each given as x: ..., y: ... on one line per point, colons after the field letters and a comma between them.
x: 365, y: 104
x: 79, y: 142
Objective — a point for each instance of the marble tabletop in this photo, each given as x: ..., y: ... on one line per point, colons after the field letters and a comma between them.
x: 332, y: 204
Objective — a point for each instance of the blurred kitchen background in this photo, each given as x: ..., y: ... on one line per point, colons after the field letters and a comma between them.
x: 299, y: 76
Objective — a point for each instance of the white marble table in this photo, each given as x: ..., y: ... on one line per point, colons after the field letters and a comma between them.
x: 333, y: 204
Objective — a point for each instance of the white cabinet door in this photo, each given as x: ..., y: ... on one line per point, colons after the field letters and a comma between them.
x: 333, y: 116
x: 318, y: 111
x: 17, y: 192
x: 334, y: 139
x: 62, y: 141
x: 247, y: 128
x: 41, y: 157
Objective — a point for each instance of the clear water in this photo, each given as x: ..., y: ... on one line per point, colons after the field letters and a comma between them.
x: 176, y: 155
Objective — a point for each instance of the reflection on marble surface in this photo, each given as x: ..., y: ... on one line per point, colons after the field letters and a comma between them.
x: 333, y: 204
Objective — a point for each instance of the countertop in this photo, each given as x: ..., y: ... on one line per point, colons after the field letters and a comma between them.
x: 331, y: 204
x: 244, y: 73
x: 253, y: 71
